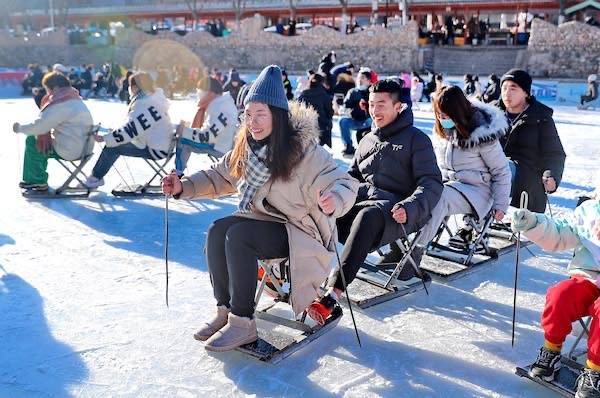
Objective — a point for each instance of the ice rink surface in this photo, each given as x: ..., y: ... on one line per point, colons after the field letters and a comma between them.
x: 82, y: 309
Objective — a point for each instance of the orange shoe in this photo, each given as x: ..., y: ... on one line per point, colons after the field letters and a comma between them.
x: 321, y: 309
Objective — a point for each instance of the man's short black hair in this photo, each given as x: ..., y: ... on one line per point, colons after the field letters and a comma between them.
x: 365, y: 73
x: 390, y: 86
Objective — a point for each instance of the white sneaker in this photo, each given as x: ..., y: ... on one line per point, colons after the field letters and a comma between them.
x: 93, y: 182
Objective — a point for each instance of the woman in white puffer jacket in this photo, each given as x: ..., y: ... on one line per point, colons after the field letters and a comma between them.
x: 148, y: 132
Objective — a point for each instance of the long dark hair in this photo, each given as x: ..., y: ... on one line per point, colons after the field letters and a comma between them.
x: 452, y: 101
x: 285, y: 147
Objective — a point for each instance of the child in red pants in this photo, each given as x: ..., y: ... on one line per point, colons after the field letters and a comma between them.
x: 571, y: 299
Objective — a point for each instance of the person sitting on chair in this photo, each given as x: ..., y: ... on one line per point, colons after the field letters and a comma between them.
x: 61, y: 131
x: 573, y: 298
x: 474, y: 168
x: 214, y: 125
x: 291, y: 190
x: 400, y: 185
x: 592, y: 91
x: 148, y: 132
x: 355, y: 103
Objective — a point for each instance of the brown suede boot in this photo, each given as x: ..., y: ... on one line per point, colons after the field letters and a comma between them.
x: 214, y: 325
x: 238, y: 331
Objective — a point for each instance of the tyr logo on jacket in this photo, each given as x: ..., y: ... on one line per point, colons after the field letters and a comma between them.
x: 148, y: 126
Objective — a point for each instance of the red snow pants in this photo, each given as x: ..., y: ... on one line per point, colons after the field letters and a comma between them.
x: 566, y: 302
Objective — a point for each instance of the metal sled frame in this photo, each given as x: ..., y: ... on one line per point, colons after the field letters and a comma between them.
x: 212, y: 154
x: 375, y: 284
x: 147, y: 189
x: 272, y: 347
x: 564, y: 384
x: 75, y: 170
x: 447, y: 263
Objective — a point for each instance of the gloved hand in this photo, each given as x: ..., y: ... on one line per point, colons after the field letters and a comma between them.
x: 523, y: 220
x: 16, y: 127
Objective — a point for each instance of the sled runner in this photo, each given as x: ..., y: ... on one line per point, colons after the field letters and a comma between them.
x: 565, y: 382
x: 75, y: 170
x: 377, y: 283
x: 446, y: 260
x: 278, y: 335
x: 152, y: 187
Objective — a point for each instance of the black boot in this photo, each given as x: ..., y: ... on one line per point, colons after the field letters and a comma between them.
x: 392, y: 257
x: 588, y: 384
x: 348, y: 152
x: 547, y: 364
x: 408, y: 271
x: 462, y: 238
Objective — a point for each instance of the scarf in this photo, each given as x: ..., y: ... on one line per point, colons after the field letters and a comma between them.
x: 256, y: 174
x: 63, y: 94
x: 202, y: 107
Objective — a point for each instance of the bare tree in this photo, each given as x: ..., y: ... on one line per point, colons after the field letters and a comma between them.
x: 293, y: 8
x: 195, y: 7
x: 238, y: 7
x: 404, y: 5
x: 10, y: 6
x: 61, y: 8
x: 344, y: 23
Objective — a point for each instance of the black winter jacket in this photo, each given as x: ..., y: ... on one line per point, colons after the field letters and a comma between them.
x: 532, y: 142
x: 397, y: 164
x: 321, y: 101
x: 492, y: 92
x: 352, y: 102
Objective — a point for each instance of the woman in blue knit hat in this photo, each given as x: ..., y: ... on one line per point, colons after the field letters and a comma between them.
x: 290, y: 190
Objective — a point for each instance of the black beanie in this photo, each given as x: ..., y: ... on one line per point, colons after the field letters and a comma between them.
x: 519, y: 77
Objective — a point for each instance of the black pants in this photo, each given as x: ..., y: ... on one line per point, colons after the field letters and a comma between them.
x: 586, y: 98
x: 233, y: 247
x: 360, y: 230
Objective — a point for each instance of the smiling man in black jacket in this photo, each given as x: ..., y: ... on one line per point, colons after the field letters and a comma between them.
x: 400, y: 185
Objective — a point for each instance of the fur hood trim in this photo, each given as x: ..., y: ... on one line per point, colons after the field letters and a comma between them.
x: 493, y: 125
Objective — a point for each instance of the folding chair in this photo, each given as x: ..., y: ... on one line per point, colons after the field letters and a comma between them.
x: 479, y: 244
x: 377, y: 283
x: 273, y: 345
x: 75, y: 170
x: 158, y: 167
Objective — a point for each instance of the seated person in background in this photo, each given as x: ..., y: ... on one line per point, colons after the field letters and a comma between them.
x: 148, y: 132
x: 592, y: 90
x: 355, y: 103
x: 214, y: 125
x: 60, y: 131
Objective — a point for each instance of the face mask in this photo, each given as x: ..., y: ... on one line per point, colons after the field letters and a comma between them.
x: 333, y: 59
x: 361, y: 86
x: 447, y: 123
x: 131, y: 93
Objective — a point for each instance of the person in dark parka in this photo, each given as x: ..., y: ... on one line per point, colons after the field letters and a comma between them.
x: 400, y: 184
x: 325, y: 66
x: 492, y: 90
x: 532, y: 143
x: 317, y: 97
x: 233, y: 84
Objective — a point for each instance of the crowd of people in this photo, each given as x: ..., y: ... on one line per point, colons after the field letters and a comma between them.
x: 488, y: 145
